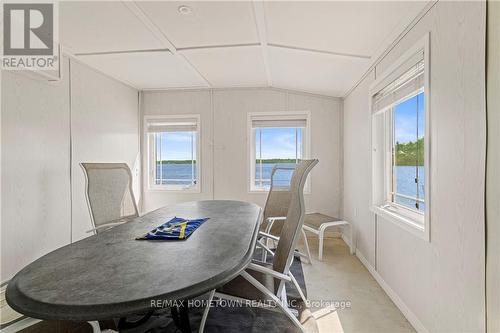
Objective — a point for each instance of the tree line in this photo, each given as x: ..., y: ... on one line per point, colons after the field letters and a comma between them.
x: 410, y: 153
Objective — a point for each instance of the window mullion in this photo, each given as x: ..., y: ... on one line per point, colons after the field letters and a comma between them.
x: 260, y: 158
x: 393, y: 157
x: 192, y: 159
x: 154, y: 163
x: 160, y: 157
x: 296, y: 146
x: 417, y: 160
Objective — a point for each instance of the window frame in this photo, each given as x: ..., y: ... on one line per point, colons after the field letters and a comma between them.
x: 151, y: 163
x: 417, y: 223
x: 276, y: 116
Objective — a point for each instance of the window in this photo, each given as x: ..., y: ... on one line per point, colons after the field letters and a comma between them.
x: 173, y: 149
x: 276, y: 139
x: 408, y: 172
x: 400, y: 155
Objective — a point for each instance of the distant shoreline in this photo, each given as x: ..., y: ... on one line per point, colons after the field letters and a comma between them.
x: 270, y: 160
x: 401, y: 161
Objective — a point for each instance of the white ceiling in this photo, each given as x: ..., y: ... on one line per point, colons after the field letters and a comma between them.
x: 353, y: 27
x: 305, y: 71
x: 87, y: 27
x: 230, y: 66
x: 210, y: 23
x: 148, y: 70
x: 318, y: 47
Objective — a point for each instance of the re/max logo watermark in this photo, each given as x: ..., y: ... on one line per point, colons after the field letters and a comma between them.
x: 29, y: 36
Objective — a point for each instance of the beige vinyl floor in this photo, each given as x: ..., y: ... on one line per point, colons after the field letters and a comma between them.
x: 341, y: 277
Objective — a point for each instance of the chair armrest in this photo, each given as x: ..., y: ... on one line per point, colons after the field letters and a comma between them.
x: 284, y: 168
x: 268, y: 250
x: 266, y: 235
x: 278, y: 218
x: 106, y: 225
x: 265, y: 270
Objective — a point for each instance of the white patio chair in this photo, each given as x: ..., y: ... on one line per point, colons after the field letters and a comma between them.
x: 275, y: 210
x: 109, y: 194
x: 266, y: 282
x: 111, y: 202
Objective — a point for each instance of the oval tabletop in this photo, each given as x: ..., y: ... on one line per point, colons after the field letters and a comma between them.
x: 112, y: 275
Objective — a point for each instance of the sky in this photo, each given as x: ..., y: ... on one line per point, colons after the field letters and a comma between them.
x: 176, y: 145
x: 405, y: 117
x: 277, y: 143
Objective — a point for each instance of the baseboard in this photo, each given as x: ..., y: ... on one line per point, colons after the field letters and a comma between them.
x: 409, y: 315
x: 346, y: 240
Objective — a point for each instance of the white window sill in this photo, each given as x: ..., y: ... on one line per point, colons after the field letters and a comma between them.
x: 257, y: 191
x: 174, y: 189
x: 414, y: 226
x: 253, y: 189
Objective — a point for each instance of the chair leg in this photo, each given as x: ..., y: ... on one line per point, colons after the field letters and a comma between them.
x: 296, y: 284
x: 321, y: 238
x: 306, y: 244
x: 96, y: 328
x: 278, y: 302
x: 205, y: 312
x: 270, y: 223
x: 353, y: 246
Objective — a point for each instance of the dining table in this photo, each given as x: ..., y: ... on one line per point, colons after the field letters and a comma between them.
x: 113, y: 275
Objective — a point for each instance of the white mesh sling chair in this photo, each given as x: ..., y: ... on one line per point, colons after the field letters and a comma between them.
x: 111, y: 202
x: 266, y: 282
x: 109, y: 193
x: 276, y: 208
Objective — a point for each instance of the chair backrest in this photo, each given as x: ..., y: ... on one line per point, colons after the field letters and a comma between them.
x: 278, y: 197
x: 109, y: 192
x: 291, y: 230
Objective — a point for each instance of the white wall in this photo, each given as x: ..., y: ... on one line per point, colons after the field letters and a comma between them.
x: 35, y: 162
x: 440, y: 285
x: 180, y: 102
x: 493, y: 176
x: 45, y: 134
x: 357, y: 167
x: 104, y: 128
x: 224, y: 153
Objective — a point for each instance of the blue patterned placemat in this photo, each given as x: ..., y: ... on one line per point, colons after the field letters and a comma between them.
x: 175, y: 229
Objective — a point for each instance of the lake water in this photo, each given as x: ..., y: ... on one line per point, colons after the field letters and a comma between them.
x: 181, y: 174
x: 405, y: 184
x: 175, y: 174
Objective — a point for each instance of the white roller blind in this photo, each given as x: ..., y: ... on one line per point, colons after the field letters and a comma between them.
x: 406, y: 80
x: 282, y: 121
x: 172, y: 125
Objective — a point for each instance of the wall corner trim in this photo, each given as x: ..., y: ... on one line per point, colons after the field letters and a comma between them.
x: 409, y: 315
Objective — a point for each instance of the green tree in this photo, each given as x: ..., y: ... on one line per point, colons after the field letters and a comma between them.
x: 410, y: 153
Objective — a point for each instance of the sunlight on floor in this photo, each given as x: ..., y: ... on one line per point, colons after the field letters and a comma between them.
x: 344, y: 296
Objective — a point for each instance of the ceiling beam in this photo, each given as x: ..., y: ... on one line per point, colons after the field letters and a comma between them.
x: 222, y: 46
x: 260, y: 22
x: 139, y: 13
x: 120, y: 52
x: 340, y: 54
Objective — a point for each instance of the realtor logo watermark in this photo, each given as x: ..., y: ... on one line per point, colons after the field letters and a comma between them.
x: 29, y: 36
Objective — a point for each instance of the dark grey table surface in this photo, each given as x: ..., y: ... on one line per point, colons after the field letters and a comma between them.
x: 112, y: 275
